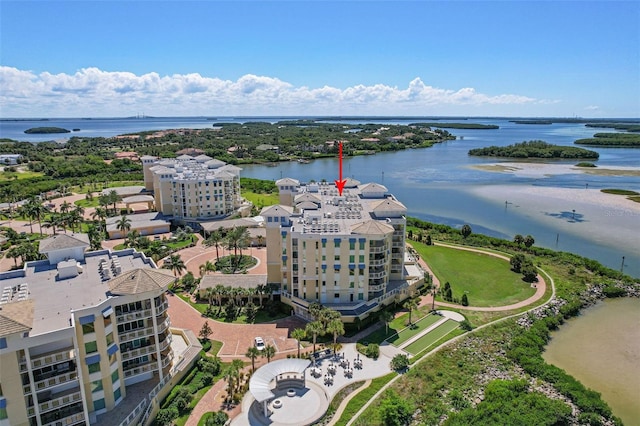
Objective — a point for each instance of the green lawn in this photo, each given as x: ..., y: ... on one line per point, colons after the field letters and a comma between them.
x: 418, y: 327
x: 6, y: 175
x: 261, y: 200
x: 432, y: 338
x: 487, y: 280
x: 395, y: 326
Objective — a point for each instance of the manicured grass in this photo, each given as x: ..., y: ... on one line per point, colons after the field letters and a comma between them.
x: 261, y: 315
x: 418, y: 327
x: 261, y: 200
x: 395, y: 326
x: 433, y: 338
x: 362, y: 397
x: 487, y: 280
x: 88, y: 203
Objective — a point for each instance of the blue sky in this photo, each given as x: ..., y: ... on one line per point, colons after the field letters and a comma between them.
x: 118, y: 58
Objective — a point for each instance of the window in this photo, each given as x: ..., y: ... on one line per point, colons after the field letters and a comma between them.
x: 88, y: 328
x: 91, y: 347
x: 361, y: 258
x: 107, y: 320
x: 109, y: 339
x: 336, y: 295
x: 94, y: 368
x: 96, y: 386
x: 98, y: 404
x: 112, y: 358
x: 3, y: 343
x: 114, y: 376
x: 362, y: 244
x: 117, y: 394
x: 352, y: 259
x: 352, y: 245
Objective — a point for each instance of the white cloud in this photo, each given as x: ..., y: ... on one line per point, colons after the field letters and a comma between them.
x: 592, y: 108
x: 94, y: 92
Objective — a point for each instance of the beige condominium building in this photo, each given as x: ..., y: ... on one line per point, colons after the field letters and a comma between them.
x: 345, y: 251
x: 79, y: 332
x: 192, y: 188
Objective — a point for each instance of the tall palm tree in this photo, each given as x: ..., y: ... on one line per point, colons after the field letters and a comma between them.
x: 386, y: 318
x: 252, y: 353
x: 335, y: 327
x: 113, y: 199
x: 298, y: 334
x: 123, y: 224
x: 214, y: 239
x: 269, y: 352
x: 207, y: 267
x: 65, y: 207
x: 314, y: 329
x: 99, y: 215
x: 410, y: 305
x: 132, y: 238
x: 175, y: 264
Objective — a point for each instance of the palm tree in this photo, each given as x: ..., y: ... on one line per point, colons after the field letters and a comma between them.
x: 214, y: 239
x: 207, y: 267
x: 13, y: 253
x: 99, y: 215
x: 123, y: 224
x: 410, y: 305
x: 260, y: 240
x: 209, y: 294
x: 269, y: 352
x: 113, y: 199
x: 315, y: 329
x: 518, y: 239
x: 132, y: 238
x: 253, y: 353
x: 175, y: 264
x: 336, y: 327
x: 386, y: 317
x: 298, y: 334
x: 65, y: 207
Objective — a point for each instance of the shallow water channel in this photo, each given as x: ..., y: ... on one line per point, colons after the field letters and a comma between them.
x: 601, y: 348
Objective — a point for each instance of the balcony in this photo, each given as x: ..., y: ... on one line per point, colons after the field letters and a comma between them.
x: 376, y: 249
x: 132, y: 316
x: 75, y: 419
x: 60, y: 401
x: 166, y: 343
x: 377, y: 275
x: 136, y: 334
x: 164, y: 326
x: 166, y: 361
x: 139, y: 370
x: 50, y: 358
x: 378, y: 262
x: 138, y: 352
x: 162, y: 308
x: 375, y: 288
x: 56, y: 380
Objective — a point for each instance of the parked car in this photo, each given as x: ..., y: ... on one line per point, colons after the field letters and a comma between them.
x: 259, y: 343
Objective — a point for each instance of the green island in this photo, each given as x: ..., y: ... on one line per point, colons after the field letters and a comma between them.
x: 474, y: 126
x: 46, y: 130
x: 623, y: 140
x: 531, y: 121
x: 534, y: 149
x: 629, y: 127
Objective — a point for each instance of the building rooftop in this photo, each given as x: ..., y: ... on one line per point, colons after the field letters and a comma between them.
x: 16, y: 317
x: 63, y: 241
x: 186, y: 167
x: 51, y: 299
x: 361, y: 209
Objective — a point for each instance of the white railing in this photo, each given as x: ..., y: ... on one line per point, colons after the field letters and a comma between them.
x: 131, y: 316
x: 132, y: 335
x: 139, y: 370
x: 376, y: 287
x: 74, y: 419
x: 52, y: 358
x: 377, y: 275
x: 376, y: 249
x: 377, y: 262
x: 138, y: 352
x: 167, y: 359
x: 164, y: 326
x: 56, y: 380
x: 165, y: 343
x: 135, y: 413
x: 60, y: 402
x: 162, y: 308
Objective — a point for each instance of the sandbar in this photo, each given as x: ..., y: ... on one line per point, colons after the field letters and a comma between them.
x: 535, y: 170
x: 608, y: 219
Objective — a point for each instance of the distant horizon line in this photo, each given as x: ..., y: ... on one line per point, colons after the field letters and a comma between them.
x: 323, y: 117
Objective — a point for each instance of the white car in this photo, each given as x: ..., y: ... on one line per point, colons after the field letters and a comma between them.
x: 259, y: 343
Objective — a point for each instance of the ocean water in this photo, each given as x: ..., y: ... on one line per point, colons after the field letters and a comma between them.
x: 433, y: 183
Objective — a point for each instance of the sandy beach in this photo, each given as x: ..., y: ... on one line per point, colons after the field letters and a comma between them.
x: 545, y: 169
x: 607, y: 218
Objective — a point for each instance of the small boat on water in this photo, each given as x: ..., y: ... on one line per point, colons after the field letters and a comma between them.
x: 303, y: 161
